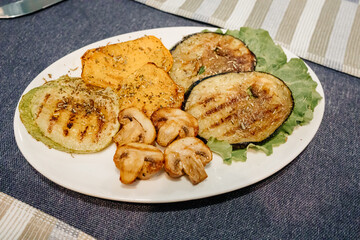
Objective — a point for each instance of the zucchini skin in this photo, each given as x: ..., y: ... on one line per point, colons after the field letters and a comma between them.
x: 246, y: 121
x: 204, y: 54
x: 70, y: 116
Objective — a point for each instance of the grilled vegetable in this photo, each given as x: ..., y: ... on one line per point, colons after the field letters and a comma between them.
x: 173, y: 123
x: 148, y: 89
x: 205, y: 54
x: 188, y: 156
x: 134, y: 127
x: 70, y: 116
x: 107, y: 66
x: 137, y: 160
x: 239, y: 107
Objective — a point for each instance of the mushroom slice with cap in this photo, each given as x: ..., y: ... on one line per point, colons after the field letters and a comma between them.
x: 173, y: 123
x: 137, y: 160
x: 188, y: 156
x: 135, y: 126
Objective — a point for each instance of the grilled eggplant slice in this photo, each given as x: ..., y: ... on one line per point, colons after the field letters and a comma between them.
x: 239, y: 108
x: 205, y: 54
x: 68, y: 115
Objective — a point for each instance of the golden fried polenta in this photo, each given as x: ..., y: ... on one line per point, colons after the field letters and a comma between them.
x: 148, y: 89
x: 109, y: 65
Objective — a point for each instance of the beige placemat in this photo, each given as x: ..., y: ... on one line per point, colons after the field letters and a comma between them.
x: 323, y: 31
x: 21, y: 221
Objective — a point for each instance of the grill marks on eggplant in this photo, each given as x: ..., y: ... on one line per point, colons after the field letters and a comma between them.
x: 239, y: 107
x: 205, y: 54
x: 220, y: 107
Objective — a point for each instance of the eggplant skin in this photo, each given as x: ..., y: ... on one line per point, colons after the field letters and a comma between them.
x: 239, y: 108
x: 205, y: 54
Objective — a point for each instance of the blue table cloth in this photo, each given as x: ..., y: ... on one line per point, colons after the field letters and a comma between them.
x: 316, y: 196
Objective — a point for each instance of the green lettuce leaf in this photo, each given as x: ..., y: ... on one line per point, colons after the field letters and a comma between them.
x: 272, y: 59
x: 259, y: 42
x: 223, y: 148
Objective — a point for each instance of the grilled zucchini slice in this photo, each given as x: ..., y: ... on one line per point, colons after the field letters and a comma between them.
x: 240, y: 108
x: 69, y: 116
x: 205, y: 54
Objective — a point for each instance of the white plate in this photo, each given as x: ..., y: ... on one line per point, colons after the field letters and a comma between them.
x: 96, y: 174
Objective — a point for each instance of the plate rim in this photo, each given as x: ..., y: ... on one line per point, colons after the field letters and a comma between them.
x: 320, y: 107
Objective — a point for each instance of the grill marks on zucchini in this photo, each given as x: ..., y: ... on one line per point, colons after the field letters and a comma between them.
x: 70, y: 116
x: 204, y: 54
x: 239, y: 107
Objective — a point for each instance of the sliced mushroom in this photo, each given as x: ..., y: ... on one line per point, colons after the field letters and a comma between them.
x: 194, y: 168
x: 135, y: 126
x: 188, y: 156
x: 137, y: 160
x: 173, y: 123
x: 151, y: 166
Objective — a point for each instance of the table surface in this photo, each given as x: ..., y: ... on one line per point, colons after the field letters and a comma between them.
x: 315, y: 196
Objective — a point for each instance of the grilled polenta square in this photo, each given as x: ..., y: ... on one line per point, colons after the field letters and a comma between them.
x: 109, y: 65
x: 148, y: 89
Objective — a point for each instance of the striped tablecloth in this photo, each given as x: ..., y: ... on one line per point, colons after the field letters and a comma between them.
x: 323, y: 31
x: 21, y: 221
